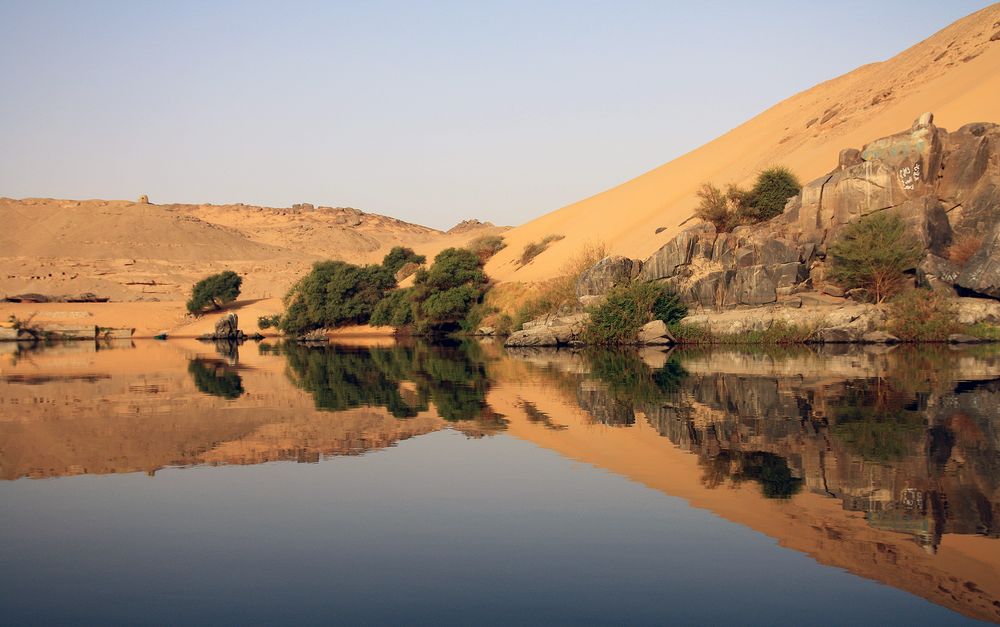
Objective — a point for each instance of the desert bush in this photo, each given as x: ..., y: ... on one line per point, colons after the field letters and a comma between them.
x: 504, y: 324
x: 214, y: 291
x: 625, y: 309
x: 778, y: 333
x: 668, y: 307
x: 964, y: 247
x: 713, y: 207
x: 268, y: 322
x: 335, y: 293
x: 486, y: 246
x: 687, y: 333
x: 770, y: 193
x: 534, y: 249
x: 873, y: 253
x: 560, y: 292
x: 921, y: 315
x: 399, y: 257
x: 736, y: 206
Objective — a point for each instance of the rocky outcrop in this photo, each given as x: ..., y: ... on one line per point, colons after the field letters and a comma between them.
x: 569, y: 329
x: 605, y: 275
x: 982, y: 273
x: 226, y: 328
x: 552, y: 330
x: 941, y: 184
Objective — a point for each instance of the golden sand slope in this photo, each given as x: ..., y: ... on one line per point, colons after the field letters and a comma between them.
x: 955, y: 74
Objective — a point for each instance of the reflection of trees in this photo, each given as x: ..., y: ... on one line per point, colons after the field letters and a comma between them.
x: 405, y: 380
x: 625, y: 383
x: 877, y: 422
x: 769, y: 470
x: 215, y: 378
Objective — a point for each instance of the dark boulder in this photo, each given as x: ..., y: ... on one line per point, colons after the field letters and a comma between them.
x: 982, y: 273
x: 606, y: 274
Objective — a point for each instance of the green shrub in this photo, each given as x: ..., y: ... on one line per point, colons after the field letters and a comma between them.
x: 873, y: 253
x: 400, y: 256
x: 668, y: 307
x: 268, y: 322
x: 534, y: 249
x: 625, y: 309
x: 736, y: 206
x: 922, y: 316
x: 779, y: 332
x: 686, y: 333
x: 444, y: 294
x: 214, y: 291
x: 984, y: 330
x: 335, y: 293
x: 770, y: 193
x: 486, y: 246
x: 394, y: 310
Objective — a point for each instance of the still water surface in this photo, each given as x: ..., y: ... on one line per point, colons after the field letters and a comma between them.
x: 169, y: 482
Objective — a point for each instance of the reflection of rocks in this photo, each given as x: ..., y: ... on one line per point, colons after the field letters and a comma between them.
x: 917, y: 462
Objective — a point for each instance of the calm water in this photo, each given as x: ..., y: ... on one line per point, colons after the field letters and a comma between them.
x: 170, y: 482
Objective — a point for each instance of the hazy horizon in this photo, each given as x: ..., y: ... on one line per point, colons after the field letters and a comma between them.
x: 431, y: 113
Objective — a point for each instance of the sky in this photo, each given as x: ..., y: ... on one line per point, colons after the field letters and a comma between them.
x: 431, y: 112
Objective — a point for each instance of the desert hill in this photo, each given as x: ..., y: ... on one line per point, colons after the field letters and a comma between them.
x: 955, y: 73
x: 135, y: 251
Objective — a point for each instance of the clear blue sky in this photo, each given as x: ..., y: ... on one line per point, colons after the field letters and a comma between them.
x: 427, y: 111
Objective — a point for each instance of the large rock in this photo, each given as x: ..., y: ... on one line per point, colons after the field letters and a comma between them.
x: 606, y: 274
x: 675, y: 254
x: 982, y: 273
x: 966, y: 161
x: 551, y: 331
x: 226, y: 328
x: 655, y: 333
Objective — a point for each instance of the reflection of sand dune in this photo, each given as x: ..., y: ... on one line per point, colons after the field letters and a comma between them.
x: 964, y: 574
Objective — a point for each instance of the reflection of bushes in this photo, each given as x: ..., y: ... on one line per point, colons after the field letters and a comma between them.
x: 452, y: 378
x: 626, y: 382
x: 215, y: 378
x: 628, y: 377
x: 876, y: 423
x: 769, y: 470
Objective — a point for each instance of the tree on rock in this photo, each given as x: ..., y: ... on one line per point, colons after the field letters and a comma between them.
x: 873, y: 253
x: 214, y: 291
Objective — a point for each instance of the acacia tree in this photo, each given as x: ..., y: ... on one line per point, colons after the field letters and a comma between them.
x: 444, y: 294
x: 214, y: 291
x: 335, y: 293
x: 873, y: 253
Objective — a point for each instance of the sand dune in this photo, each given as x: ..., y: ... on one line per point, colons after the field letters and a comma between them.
x: 955, y: 74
